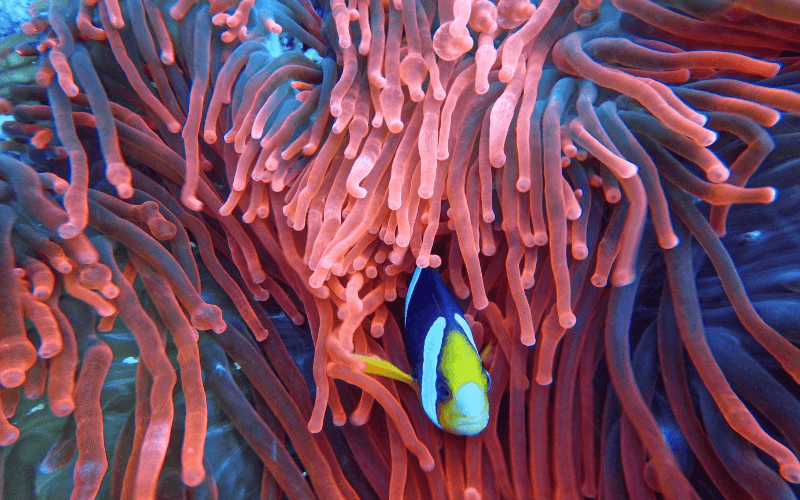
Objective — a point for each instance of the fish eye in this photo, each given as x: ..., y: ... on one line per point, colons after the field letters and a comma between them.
x: 442, y: 389
x: 488, y: 380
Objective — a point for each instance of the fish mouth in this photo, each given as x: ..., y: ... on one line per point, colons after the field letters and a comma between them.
x: 469, y: 426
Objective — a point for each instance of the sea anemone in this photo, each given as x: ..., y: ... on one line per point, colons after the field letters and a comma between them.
x: 235, y: 184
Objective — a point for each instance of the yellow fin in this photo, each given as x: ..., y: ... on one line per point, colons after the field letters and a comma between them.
x: 382, y: 367
x: 485, y: 351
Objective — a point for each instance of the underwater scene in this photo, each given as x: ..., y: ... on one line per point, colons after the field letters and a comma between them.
x: 400, y: 249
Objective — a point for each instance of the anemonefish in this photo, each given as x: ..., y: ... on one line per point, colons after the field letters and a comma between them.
x: 447, y: 369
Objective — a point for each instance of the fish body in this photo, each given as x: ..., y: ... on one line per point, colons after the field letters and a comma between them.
x: 453, y: 384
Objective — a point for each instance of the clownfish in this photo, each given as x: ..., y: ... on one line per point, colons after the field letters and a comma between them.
x: 448, y: 373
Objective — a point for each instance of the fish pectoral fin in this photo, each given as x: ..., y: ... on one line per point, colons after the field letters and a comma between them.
x: 485, y: 351
x: 383, y: 368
